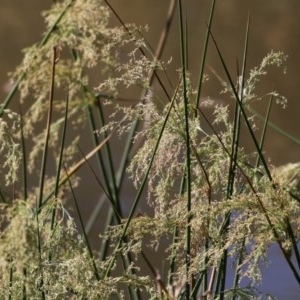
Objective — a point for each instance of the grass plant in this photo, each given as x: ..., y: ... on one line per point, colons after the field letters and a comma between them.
x: 215, y: 208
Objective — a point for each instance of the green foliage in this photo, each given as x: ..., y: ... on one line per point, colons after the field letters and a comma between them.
x: 214, y: 210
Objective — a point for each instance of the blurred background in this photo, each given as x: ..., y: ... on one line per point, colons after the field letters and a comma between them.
x: 274, y: 25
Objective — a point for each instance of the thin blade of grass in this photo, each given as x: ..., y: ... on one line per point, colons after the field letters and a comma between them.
x: 204, y: 54
x: 275, y: 127
x: 242, y: 110
x: 111, y: 201
x: 56, y: 189
x: 109, y: 156
x: 55, y: 58
x: 183, y: 47
x: 11, y: 94
x: 24, y: 160
x: 96, y: 272
x: 264, y: 131
x: 100, y: 159
x: 61, y: 148
x: 39, y: 247
x: 236, y: 137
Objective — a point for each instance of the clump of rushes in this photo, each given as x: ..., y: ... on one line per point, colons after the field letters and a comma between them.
x: 216, y: 207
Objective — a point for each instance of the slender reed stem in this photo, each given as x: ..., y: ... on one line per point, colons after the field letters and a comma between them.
x: 188, y: 154
x: 55, y: 59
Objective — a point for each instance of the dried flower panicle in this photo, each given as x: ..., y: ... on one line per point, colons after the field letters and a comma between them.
x: 233, y: 208
x: 10, y: 148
